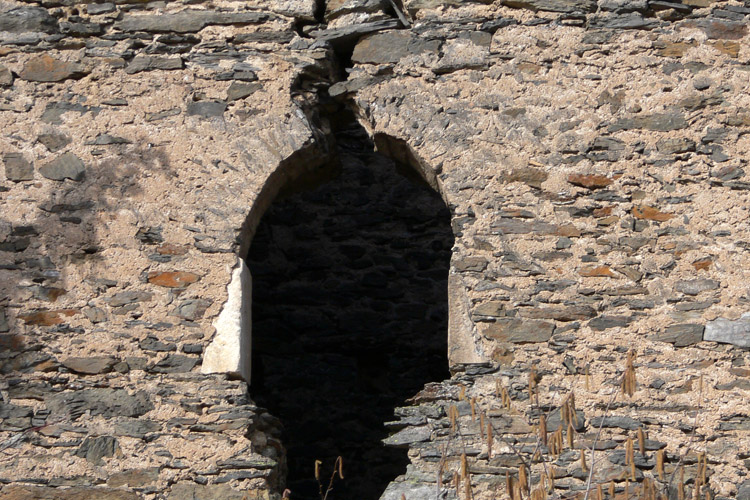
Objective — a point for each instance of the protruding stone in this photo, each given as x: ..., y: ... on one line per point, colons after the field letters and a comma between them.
x: 172, y: 279
x: 651, y: 213
x: 17, y: 168
x: 150, y: 63
x: 27, y: 19
x: 191, y: 309
x: 90, y: 365
x: 65, y: 166
x: 94, y: 449
x: 54, y: 142
x: 44, y: 68
x: 519, y: 331
x: 188, y: 21
x: 681, y: 335
x: 6, y: 77
x: 696, y: 286
x: 726, y: 331
x: 590, y: 181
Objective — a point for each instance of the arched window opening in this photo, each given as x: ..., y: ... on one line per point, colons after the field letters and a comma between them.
x: 349, y: 315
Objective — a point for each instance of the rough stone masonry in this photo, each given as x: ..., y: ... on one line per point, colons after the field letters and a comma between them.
x: 592, y: 155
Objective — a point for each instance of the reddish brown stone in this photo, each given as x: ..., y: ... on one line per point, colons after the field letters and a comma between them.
x: 603, y: 212
x: 568, y: 230
x: 47, y: 69
x: 703, y: 264
x: 47, y: 318
x: 589, y: 181
x: 597, y: 272
x: 651, y: 213
x: 732, y: 49
x: 172, y: 249
x: 174, y: 279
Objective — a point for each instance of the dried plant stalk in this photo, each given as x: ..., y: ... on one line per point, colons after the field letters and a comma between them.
x: 660, y: 464
x: 523, y: 478
x: 543, y: 429
x: 584, y: 467
x: 628, y: 380
x: 340, y: 461
x: 464, y: 466
x: 481, y: 425
x: 489, y: 440
x: 473, y: 403
x: 318, y: 463
x: 641, y: 441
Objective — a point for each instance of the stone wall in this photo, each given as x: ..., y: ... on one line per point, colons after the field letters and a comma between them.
x: 592, y: 156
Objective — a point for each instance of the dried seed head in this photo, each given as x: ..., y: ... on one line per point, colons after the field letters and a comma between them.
x: 481, y: 425
x: 340, y: 461
x: 584, y: 467
x: 523, y: 478
x: 641, y: 441
x: 464, y: 466
x: 660, y: 464
x: 318, y: 463
x: 473, y: 403
x: 489, y: 440
x: 462, y: 392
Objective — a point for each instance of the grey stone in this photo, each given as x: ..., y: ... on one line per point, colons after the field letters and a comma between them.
x: 660, y: 122
x: 239, y: 90
x: 188, y: 21
x: 206, y: 109
x: 151, y: 343
x: 90, y: 365
x: 409, y: 435
x: 409, y: 490
x: 391, y: 47
x: 191, y: 309
x: 519, y: 331
x: 101, y: 401
x: 17, y: 168
x: 681, y: 335
x: 94, y: 9
x: 65, y: 166
x: 133, y: 427
x: 152, y: 117
x: 514, y: 226
x: 605, y: 322
x: 6, y: 77
x: 619, y: 422
x: 347, y: 34
x: 476, y: 264
x: 130, y: 297
x: 188, y: 490
x: 675, y: 145
x: 571, y: 313
x: 54, y: 110
x: 565, y: 6
x: 107, y: 140
x: 696, y: 286
x: 94, y: 314
x: 81, y: 29
x: 25, y: 19
x: 743, y: 492
x: 631, y: 20
x: 77, y: 493
x: 54, y: 142
x: 726, y: 331
x: 4, y: 327
x: 150, y: 63
x: 15, y: 417
x: 174, y: 363
x: 94, y: 449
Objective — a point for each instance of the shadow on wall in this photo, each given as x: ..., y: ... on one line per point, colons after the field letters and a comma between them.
x: 350, y: 315
x: 66, y: 232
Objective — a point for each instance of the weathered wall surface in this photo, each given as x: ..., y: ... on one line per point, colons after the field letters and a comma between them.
x: 592, y: 155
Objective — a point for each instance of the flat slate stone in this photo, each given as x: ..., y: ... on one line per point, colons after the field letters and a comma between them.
x: 90, y: 365
x: 94, y: 449
x: 65, y: 166
x: 391, y: 47
x: 412, y: 491
x: 47, y: 69
x: 151, y: 63
x: 6, y: 77
x: 409, y: 435
x: 17, y: 168
x: 188, y: 21
x: 54, y: 142
x: 519, y: 331
x: 105, y: 402
x: 726, y: 331
x: 696, y: 286
x: 18, y: 492
x: 206, y: 109
x: 659, y: 122
x: 27, y: 19
x: 565, y: 6
x: 681, y: 335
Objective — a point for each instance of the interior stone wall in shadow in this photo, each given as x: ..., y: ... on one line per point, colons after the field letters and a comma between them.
x: 349, y: 315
